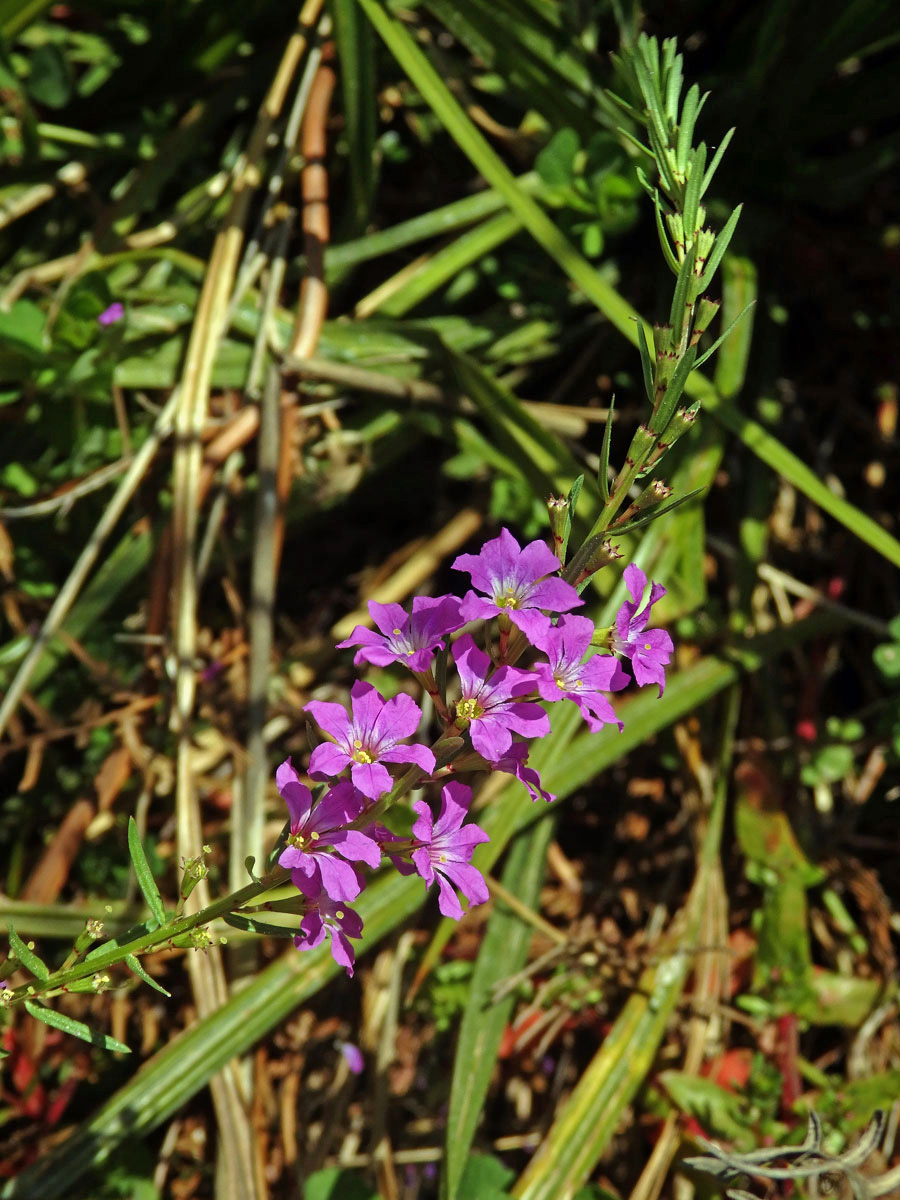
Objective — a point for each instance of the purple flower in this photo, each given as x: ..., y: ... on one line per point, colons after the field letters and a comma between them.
x: 515, y: 582
x: 316, y: 831
x: 353, y: 1057
x: 367, y: 739
x: 339, y: 921
x: 567, y: 677
x: 109, y: 316
x: 406, y: 638
x: 514, y: 762
x: 489, y: 705
x: 445, y: 849
x: 648, y: 649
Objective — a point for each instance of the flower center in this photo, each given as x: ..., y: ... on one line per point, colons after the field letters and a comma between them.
x: 298, y: 841
x: 469, y: 709
x: 507, y: 599
x: 360, y: 753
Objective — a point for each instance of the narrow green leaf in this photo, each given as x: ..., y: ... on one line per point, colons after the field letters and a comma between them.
x: 76, y: 1028
x: 689, y: 113
x: 718, y: 251
x: 603, y: 469
x: 654, y: 513
x: 134, y: 964
x: 649, y: 91
x: 665, y: 245
x: 264, y: 928
x: 717, y: 158
x: 697, y: 161
x: 571, y: 506
x: 503, y: 952
x: 678, y: 311
x: 145, y: 879
x: 26, y: 957
x: 674, y: 83
x: 646, y: 361
x: 722, y: 336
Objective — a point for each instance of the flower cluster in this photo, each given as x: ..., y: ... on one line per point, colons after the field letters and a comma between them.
x: 487, y: 718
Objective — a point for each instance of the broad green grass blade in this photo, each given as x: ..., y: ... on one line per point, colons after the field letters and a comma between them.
x: 145, y: 879
x: 438, y: 223
x: 738, y: 296
x: 356, y: 52
x: 504, y: 950
x: 544, y: 460
x: 436, y: 93
x: 445, y: 264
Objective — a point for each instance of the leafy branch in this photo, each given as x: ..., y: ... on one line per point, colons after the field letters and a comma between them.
x: 654, y: 77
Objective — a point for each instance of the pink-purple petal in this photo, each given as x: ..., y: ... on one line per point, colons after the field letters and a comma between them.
x: 372, y: 779
x: 421, y: 860
x: 358, y: 846
x: 399, y: 718
x: 330, y: 717
x: 327, y: 761
x: 340, y: 881
x: 415, y: 752
x: 448, y: 902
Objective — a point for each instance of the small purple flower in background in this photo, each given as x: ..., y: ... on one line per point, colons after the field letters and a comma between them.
x: 317, y: 830
x: 446, y: 849
x: 648, y: 649
x: 338, y: 921
x: 115, y: 312
x: 367, y: 739
x: 490, y: 706
x: 567, y: 677
x: 515, y: 580
x: 353, y: 1057
x: 406, y: 638
x: 514, y: 762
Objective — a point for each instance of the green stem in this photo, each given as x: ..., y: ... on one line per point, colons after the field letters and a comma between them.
x: 61, y: 979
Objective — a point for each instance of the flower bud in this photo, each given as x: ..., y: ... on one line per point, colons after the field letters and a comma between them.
x: 703, y: 318
x: 195, y: 869
x: 194, y: 939
x: 558, y: 509
x: 598, y: 557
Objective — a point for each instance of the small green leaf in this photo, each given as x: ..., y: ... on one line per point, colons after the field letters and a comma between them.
x: 27, y: 957
x: 887, y: 659
x: 134, y: 964
x: 145, y: 879
x: 50, y: 80
x: 76, y: 1028
x: 556, y: 162
x: 337, y: 1183
x: 485, y: 1177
